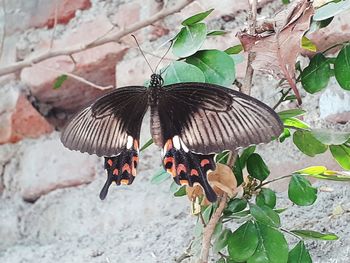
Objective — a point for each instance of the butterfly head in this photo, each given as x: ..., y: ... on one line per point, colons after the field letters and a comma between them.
x: 156, y: 80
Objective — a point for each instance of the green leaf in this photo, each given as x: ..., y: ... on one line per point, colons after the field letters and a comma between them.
x: 315, y: 235
x: 332, y: 176
x: 189, y: 40
x: 160, y: 176
x: 266, y: 197
x: 294, y: 122
x: 257, y: 168
x: 222, y: 240
x: 307, y: 44
x: 312, y: 170
x: 237, y: 171
x: 245, y: 155
x: 146, y: 145
x: 174, y: 187
x: 285, y: 134
x: 315, y: 76
x: 207, y: 213
x: 265, y: 215
x: 243, y: 242
x: 299, y: 254
x: 341, y: 154
x: 329, y: 137
x: 308, y: 144
x: 290, y: 113
x: 272, y: 248
x: 300, y: 191
x: 342, y: 67
x: 316, y: 25
x: 196, y: 18
x: 235, y: 205
x: 234, y: 50
x: 216, y: 33
x: 178, y: 72
x: 59, y: 81
x: 331, y: 9
x: 217, y: 66
x: 181, y: 191
x: 290, y: 97
x: 222, y: 157
x: 285, y: 2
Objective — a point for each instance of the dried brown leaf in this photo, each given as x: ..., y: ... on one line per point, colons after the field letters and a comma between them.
x: 277, y: 51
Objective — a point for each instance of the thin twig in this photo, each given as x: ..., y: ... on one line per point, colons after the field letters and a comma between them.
x: 274, y: 180
x: 2, y: 41
x: 186, y: 254
x: 54, y: 24
x: 111, y: 38
x: 78, y: 78
x: 291, y: 233
x: 209, y: 229
x: 202, y: 219
x: 246, y: 88
x: 284, y: 95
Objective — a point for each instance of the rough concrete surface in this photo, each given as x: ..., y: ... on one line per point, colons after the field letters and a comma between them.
x: 49, y: 205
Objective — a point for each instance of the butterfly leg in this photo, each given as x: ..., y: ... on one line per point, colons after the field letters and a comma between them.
x: 188, y: 168
x: 121, y: 169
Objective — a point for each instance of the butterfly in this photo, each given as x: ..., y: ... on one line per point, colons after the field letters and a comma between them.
x: 191, y: 122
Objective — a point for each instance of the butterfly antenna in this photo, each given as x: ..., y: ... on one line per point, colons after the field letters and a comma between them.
x: 171, y: 43
x: 138, y: 45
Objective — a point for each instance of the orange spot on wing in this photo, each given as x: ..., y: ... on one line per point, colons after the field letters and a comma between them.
x: 168, y: 145
x: 135, y: 159
x: 194, y: 172
x: 171, y: 171
x: 115, y: 172
x: 169, y: 160
x: 183, y: 182
x: 110, y: 162
x: 136, y: 144
x: 126, y: 167
x: 124, y: 181
x: 204, y: 162
x: 181, y: 168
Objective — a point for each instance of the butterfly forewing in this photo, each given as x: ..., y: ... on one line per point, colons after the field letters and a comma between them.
x: 105, y: 127
x: 210, y: 118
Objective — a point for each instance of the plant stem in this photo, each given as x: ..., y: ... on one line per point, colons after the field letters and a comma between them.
x: 284, y: 95
x: 273, y: 180
x: 335, y: 45
x: 291, y: 233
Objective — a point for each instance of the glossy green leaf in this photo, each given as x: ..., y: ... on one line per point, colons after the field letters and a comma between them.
x: 234, y: 50
x: 237, y: 171
x: 257, y: 168
x: 266, y: 197
x: 280, y: 210
x: 285, y: 134
x: 342, y: 67
x: 341, y: 154
x: 59, y: 81
x: 222, y: 157
x: 196, y: 18
x: 146, y: 145
x: 189, y: 40
x: 216, y: 33
x: 294, y: 122
x: 217, y: 66
x: 181, y: 191
x: 331, y: 9
x: 178, y: 72
x: 299, y: 254
x: 316, y: 75
x: 290, y: 113
x: 160, y: 177
x: 307, y: 44
x: 312, y: 170
x: 286, y: 2
x: 265, y: 215
x: 330, y: 136
x: 315, y: 235
x: 300, y: 191
x: 243, y: 242
x: 308, y: 144
x: 272, y: 248
x: 245, y: 155
x: 222, y: 240
x: 235, y: 205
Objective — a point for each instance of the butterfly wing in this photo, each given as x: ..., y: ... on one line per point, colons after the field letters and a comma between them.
x: 110, y: 127
x: 194, y: 120
x: 103, y: 127
x: 209, y: 118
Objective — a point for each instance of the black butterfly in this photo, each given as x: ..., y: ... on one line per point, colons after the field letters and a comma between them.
x: 190, y: 121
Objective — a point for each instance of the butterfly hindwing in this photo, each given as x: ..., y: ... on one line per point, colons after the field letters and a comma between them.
x: 210, y: 118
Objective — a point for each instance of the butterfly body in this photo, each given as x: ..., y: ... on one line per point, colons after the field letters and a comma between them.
x: 189, y: 121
